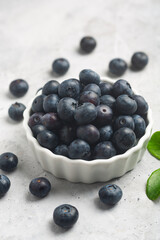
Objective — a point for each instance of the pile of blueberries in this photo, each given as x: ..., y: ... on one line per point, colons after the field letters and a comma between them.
x: 88, y: 118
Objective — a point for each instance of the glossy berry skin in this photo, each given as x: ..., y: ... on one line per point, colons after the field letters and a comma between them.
x: 35, y: 119
x: 140, y: 125
x: 50, y: 103
x: 4, y: 185
x: 122, y: 87
x: 51, y: 121
x: 69, y: 88
x: 106, y: 133
x: 125, y: 105
x: 61, y: 150
x: 66, y: 108
x: 142, y: 105
x: 104, y: 150
x: 18, y: 87
x: 117, y: 66
x: 93, y: 87
x: 60, y: 66
x: 65, y: 215
x: 88, y: 76
x: 88, y: 44
x: 47, y: 139
x: 40, y: 187
x: 124, y: 121
x: 108, y: 100
x: 8, y: 161
x: 110, y: 194
x: 139, y: 60
x: 37, y: 104
x: 50, y: 87
x: 79, y: 149
x: 106, y: 88
x: 104, y: 115
x: 89, y: 96
x: 67, y: 134
x: 37, y: 129
x: 16, y: 110
x: 88, y: 133
x: 85, y: 114
x: 124, y: 138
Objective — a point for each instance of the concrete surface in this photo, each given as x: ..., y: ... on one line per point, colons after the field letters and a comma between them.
x: 34, y: 33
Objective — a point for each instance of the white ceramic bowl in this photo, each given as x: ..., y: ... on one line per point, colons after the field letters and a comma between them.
x: 99, y: 170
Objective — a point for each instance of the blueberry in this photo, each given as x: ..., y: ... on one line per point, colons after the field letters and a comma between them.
x: 50, y: 87
x: 61, y: 150
x: 124, y: 121
x: 69, y: 88
x: 86, y: 113
x: 65, y: 215
x: 39, y: 89
x: 104, y: 115
x: 140, y: 126
x: 139, y: 60
x: 50, y: 103
x: 40, y: 187
x: 125, y: 105
x: 110, y: 194
x: 117, y: 66
x: 106, y: 133
x: 47, y: 139
x: 106, y: 88
x: 88, y: 76
x: 67, y: 134
x: 93, y: 87
x: 142, y: 105
x: 79, y: 149
x: 35, y: 119
x: 89, y: 96
x: 122, y: 87
x: 36, y: 129
x: 104, y: 150
x: 66, y: 108
x: 18, y: 87
x: 124, y: 138
x: 16, y: 111
x: 60, y: 66
x: 88, y: 44
x: 37, y: 104
x: 51, y: 121
x: 8, y: 161
x: 88, y: 133
x: 4, y: 185
x: 108, y: 100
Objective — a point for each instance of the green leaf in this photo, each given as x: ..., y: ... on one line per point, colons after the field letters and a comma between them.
x: 154, y: 145
x: 153, y: 185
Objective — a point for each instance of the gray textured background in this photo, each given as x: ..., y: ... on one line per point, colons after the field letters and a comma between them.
x: 34, y: 33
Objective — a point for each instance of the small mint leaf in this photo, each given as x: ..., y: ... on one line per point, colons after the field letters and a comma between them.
x: 154, y: 145
x: 153, y: 185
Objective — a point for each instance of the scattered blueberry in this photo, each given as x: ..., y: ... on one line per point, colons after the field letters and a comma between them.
x: 125, y: 105
x: 51, y: 121
x: 50, y: 103
x: 106, y: 133
x: 88, y: 76
x: 69, y: 88
x: 142, y: 105
x: 61, y: 150
x: 16, y: 111
x: 66, y: 108
x: 110, y: 194
x: 88, y: 133
x: 139, y: 60
x: 40, y: 187
x: 18, y: 87
x: 89, y: 96
x: 79, y: 149
x: 104, y: 115
x: 36, y: 129
x: 108, y: 100
x: 124, y: 121
x: 35, y: 119
x: 85, y: 114
x: 8, y: 161
x: 60, y: 66
x: 4, y: 185
x: 37, y: 105
x: 106, y: 88
x: 117, y: 66
x: 88, y: 44
x: 47, y: 139
x: 140, y: 125
x: 122, y: 87
x: 104, y: 150
x: 50, y: 87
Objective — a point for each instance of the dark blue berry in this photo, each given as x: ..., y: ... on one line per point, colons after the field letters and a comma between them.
x: 40, y: 187
x: 50, y: 87
x: 85, y: 114
x: 110, y: 194
x: 67, y: 134
x: 47, y: 139
x: 66, y: 108
x: 61, y: 150
x: 108, y: 100
x: 51, y: 121
x: 139, y: 60
x: 50, y: 103
x: 88, y: 76
x: 104, y: 150
x: 60, y: 66
x: 106, y: 88
x: 69, y: 88
x: 35, y: 119
x: 117, y: 66
x: 4, y: 185
x: 79, y: 149
x: 93, y: 87
x: 65, y: 215
x: 104, y: 115
x: 89, y: 96
x: 140, y: 125
x: 122, y: 87
x: 124, y: 121
x: 36, y: 129
x: 125, y: 105
x: 88, y: 133
x: 142, y: 105
x: 106, y: 133
x: 8, y: 161
x: 18, y: 87
x: 88, y: 44
x: 16, y: 111
x: 37, y: 105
